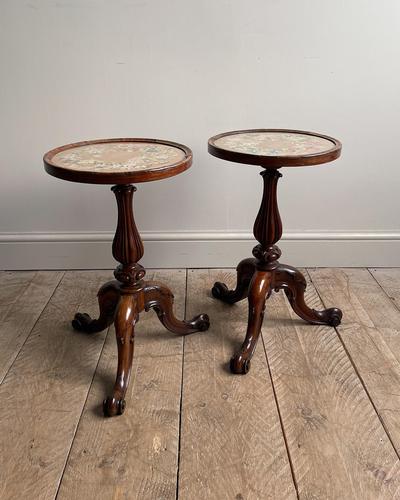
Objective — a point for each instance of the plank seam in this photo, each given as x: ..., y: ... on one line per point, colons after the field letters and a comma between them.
x: 33, y: 326
x: 357, y: 373
x: 80, y: 416
x: 181, y: 394
x: 383, y: 290
x: 280, y: 420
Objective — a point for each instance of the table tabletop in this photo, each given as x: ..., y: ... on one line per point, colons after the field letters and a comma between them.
x: 118, y: 161
x: 274, y: 147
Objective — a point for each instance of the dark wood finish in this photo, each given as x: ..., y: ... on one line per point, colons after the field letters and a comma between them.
x: 257, y: 278
x: 268, y: 225
x: 160, y: 298
x: 258, y: 290
x: 127, y: 247
x: 126, y: 316
x: 108, y: 297
x: 245, y: 271
x: 123, y: 300
x: 292, y: 281
x: 275, y: 161
x: 118, y: 177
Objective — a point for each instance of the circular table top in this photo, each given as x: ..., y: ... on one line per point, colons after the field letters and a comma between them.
x: 118, y: 161
x: 274, y: 147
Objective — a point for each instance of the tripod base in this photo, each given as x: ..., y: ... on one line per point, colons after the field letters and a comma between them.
x: 122, y: 305
x: 257, y: 284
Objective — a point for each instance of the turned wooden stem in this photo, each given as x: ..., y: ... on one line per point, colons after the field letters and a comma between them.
x: 268, y: 225
x: 127, y: 245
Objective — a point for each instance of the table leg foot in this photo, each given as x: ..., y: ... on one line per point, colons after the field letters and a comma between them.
x: 245, y: 271
x: 161, y: 299
x: 108, y: 297
x: 126, y: 317
x: 259, y: 291
x: 239, y: 365
x: 292, y: 281
x: 113, y: 407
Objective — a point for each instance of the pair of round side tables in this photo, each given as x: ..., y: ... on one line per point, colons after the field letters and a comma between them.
x: 122, y: 162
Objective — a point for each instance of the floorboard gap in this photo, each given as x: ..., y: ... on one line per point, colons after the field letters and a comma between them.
x: 181, y: 395
x: 383, y: 290
x: 33, y: 327
x: 81, y: 415
x: 280, y: 419
x: 358, y: 373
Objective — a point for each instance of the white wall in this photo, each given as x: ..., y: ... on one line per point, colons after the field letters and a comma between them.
x: 184, y: 70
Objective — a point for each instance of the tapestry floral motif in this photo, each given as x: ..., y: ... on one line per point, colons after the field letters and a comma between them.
x: 118, y: 157
x: 274, y: 143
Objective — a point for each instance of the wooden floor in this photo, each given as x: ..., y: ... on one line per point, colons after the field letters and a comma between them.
x: 317, y: 417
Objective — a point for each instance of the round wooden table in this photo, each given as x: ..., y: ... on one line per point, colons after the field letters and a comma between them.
x: 122, y: 162
x: 258, y: 277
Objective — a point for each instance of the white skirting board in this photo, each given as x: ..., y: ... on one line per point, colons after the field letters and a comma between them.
x: 198, y: 249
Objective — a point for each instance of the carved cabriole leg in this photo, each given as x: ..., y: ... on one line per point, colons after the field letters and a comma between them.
x: 126, y: 317
x: 161, y: 299
x: 292, y: 281
x: 258, y: 293
x: 108, y: 297
x: 244, y: 271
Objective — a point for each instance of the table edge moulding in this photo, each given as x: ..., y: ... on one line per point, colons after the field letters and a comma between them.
x: 127, y: 177
x: 275, y: 161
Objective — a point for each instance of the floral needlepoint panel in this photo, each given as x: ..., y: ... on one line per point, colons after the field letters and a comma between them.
x: 118, y: 157
x: 274, y: 143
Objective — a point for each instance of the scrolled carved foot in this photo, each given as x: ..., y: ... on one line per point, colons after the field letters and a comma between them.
x: 108, y: 297
x: 160, y: 298
x: 220, y: 291
x: 82, y: 322
x: 292, y: 281
x: 200, y: 323
x: 332, y: 316
x: 113, y: 407
x: 244, y: 272
x: 239, y: 364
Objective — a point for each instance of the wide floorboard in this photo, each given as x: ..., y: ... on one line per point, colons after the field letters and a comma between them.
x: 317, y: 416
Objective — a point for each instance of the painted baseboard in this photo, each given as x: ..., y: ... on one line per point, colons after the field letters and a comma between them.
x: 91, y: 250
